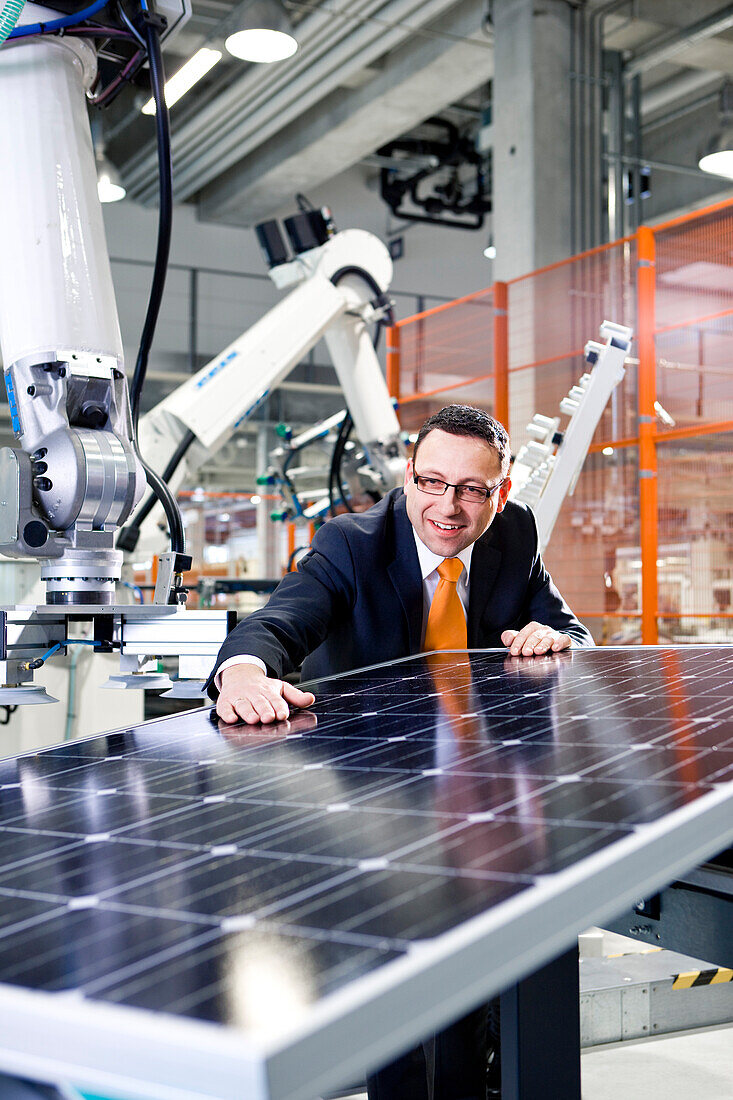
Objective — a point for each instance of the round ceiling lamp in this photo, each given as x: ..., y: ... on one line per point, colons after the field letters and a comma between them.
x: 109, y: 181
x: 718, y: 157
x: 264, y: 34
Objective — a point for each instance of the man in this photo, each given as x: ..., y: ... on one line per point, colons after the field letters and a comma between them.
x: 444, y: 563
x: 363, y: 593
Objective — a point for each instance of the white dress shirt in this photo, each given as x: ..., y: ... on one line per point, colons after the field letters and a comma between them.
x: 429, y: 563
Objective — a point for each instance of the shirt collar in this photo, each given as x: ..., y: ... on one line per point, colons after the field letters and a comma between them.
x: 430, y: 561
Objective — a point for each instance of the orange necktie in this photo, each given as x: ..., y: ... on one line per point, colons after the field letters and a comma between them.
x: 446, y: 621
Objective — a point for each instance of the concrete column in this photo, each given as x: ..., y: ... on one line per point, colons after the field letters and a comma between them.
x: 268, y: 533
x: 540, y: 108
x: 532, y: 134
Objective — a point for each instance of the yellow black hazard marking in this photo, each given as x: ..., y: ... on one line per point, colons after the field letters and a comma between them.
x: 691, y: 979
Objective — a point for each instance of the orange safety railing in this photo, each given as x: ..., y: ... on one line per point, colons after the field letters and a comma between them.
x: 643, y: 550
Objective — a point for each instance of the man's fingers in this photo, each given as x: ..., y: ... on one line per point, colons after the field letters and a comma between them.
x: 297, y: 697
x: 265, y: 702
x: 519, y: 641
x: 225, y: 710
x: 534, y: 639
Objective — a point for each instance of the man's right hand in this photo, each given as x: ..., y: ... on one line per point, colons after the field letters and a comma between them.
x: 248, y: 695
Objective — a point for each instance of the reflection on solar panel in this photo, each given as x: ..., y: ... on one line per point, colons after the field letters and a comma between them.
x: 240, y: 875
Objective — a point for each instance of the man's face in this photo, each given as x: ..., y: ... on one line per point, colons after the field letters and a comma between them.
x: 445, y: 524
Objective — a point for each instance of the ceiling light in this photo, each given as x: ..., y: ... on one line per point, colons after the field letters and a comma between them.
x: 490, y: 250
x: 182, y: 81
x: 717, y: 157
x: 263, y: 34
x: 109, y: 182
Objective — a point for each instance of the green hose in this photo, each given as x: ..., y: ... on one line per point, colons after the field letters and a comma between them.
x: 9, y: 16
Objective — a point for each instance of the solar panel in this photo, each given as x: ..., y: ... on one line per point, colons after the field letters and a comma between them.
x: 326, y: 891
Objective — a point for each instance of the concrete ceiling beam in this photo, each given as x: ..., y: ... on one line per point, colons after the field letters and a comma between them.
x: 420, y: 78
x: 334, y: 45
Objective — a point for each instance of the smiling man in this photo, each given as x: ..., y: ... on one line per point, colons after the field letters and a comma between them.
x: 444, y: 563
x: 363, y: 593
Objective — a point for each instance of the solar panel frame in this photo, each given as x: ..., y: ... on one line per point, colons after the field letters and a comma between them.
x: 64, y: 1036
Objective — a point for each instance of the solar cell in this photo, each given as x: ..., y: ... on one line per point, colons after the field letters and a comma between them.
x: 306, y: 882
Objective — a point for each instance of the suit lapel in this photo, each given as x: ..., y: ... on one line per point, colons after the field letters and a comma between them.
x: 485, y: 565
x: 404, y: 572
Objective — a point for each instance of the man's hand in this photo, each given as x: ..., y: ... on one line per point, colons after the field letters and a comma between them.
x: 248, y: 695
x: 303, y: 721
x: 535, y: 639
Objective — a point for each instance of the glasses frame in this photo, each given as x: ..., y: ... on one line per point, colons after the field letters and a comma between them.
x: 449, y: 485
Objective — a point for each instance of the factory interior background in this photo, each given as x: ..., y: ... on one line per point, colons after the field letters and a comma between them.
x: 561, y: 135
x: 533, y: 167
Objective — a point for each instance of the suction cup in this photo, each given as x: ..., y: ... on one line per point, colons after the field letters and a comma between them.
x: 140, y: 681
x: 186, y: 689
x: 32, y: 696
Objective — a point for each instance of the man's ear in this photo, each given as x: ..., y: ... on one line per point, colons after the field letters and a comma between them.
x: 503, y: 494
x: 408, y: 473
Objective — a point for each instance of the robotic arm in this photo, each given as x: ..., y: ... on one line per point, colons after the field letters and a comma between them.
x: 74, y: 476
x: 337, y: 288
x: 547, y: 468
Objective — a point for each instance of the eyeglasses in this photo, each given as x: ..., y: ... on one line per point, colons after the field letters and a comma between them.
x: 472, y: 494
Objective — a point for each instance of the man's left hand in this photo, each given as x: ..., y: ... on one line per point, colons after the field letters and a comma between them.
x: 535, y: 639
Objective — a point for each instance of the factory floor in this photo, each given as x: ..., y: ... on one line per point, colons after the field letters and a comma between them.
x: 696, y: 1063
x: 673, y: 1067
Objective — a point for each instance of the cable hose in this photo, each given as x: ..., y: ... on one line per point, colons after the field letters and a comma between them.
x: 165, y: 218
x: 9, y: 16
x: 128, y: 536
x: 53, y: 24
x: 334, y: 478
x: 334, y: 475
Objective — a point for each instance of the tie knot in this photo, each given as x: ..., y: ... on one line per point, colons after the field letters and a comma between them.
x: 450, y: 570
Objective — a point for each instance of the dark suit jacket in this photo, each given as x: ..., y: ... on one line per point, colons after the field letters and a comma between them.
x: 357, y: 597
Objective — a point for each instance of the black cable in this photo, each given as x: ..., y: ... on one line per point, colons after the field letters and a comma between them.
x: 129, y: 24
x: 165, y: 217
x: 335, y: 483
x: 334, y: 474
x: 365, y: 276
x: 151, y: 31
x: 127, y: 538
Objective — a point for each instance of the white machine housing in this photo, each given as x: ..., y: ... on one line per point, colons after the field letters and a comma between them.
x: 75, y: 476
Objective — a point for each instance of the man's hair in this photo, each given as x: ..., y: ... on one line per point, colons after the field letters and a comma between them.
x: 468, y: 420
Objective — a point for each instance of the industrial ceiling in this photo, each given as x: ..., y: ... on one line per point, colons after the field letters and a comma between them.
x: 369, y: 71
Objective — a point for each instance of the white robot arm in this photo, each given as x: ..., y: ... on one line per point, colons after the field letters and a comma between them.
x: 334, y: 289
x: 546, y: 469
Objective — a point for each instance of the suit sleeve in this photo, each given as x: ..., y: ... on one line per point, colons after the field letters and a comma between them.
x: 298, y: 615
x: 545, y: 603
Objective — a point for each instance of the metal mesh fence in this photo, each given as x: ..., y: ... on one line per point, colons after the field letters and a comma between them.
x: 446, y: 356
x: 615, y: 539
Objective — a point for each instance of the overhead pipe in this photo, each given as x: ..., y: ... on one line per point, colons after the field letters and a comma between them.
x: 254, y: 108
x: 667, y: 45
